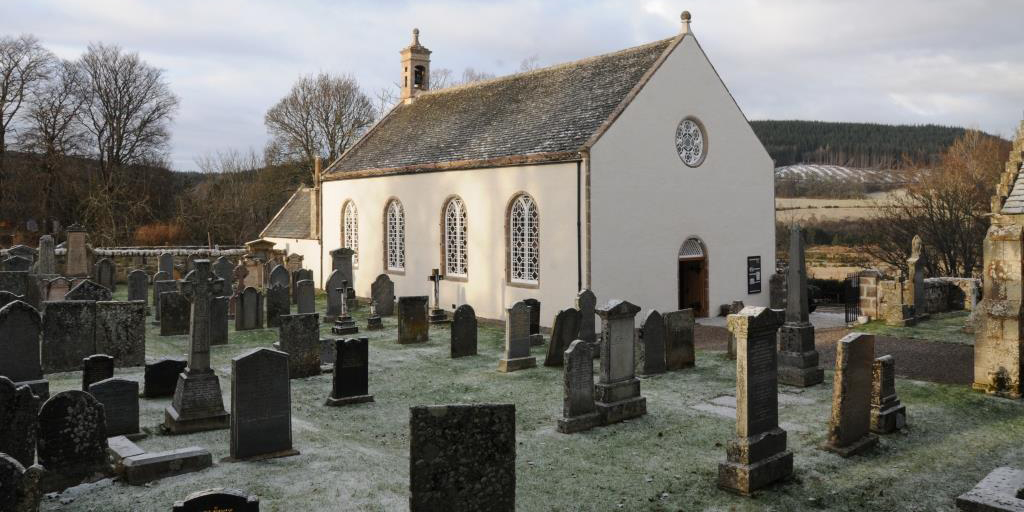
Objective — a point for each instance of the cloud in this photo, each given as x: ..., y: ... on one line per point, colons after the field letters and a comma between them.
x: 911, y: 61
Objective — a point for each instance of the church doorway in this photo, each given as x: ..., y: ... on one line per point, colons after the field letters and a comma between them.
x: 693, y: 277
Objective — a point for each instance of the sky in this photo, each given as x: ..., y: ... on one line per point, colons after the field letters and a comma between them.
x: 893, y: 61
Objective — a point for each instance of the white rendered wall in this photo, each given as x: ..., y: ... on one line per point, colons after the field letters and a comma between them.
x: 309, y: 249
x: 645, y: 202
x: 486, y: 194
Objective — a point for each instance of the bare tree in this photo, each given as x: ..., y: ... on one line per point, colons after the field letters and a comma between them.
x: 443, y: 78
x: 530, y: 63
x: 129, y: 107
x: 321, y: 116
x: 23, y: 64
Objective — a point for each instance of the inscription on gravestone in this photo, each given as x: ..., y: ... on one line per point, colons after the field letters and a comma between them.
x: 95, y: 368
x: 261, y: 415
x: 120, y: 399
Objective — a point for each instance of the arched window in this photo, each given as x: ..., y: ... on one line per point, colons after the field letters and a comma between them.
x: 455, y: 260
x: 524, y: 240
x: 350, y: 230
x: 395, y: 227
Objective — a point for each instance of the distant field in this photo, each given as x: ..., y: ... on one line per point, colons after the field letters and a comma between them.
x: 789, y: 209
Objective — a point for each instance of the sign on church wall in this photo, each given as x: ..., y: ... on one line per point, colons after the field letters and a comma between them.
x: 753, y: 275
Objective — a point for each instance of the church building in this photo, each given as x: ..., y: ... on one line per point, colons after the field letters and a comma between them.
x: 634, y: 174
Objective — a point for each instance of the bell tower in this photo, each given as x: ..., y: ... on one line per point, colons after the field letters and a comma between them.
x: 415, y: 68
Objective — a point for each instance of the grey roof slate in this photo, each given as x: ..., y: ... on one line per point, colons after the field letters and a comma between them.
x: 550, y: 110
x: 1015, y: 201
x: 293, y: 219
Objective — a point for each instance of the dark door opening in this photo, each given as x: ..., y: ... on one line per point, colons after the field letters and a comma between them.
x: 693, y: 277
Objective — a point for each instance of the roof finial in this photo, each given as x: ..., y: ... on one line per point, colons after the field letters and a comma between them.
x: 685, y: 17
x: 415, y: 37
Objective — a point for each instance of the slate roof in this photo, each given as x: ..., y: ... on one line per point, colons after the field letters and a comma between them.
x: 551, y: 111
x: 1015, y: 201
x: 292, y: 221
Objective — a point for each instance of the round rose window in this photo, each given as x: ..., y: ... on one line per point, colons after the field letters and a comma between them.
x: 690, y: 142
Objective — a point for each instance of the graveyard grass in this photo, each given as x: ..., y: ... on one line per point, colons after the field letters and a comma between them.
x: 940, y: 327
x: 356, y: 458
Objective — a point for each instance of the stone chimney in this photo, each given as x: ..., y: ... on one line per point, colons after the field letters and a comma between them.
x: 415, y: 68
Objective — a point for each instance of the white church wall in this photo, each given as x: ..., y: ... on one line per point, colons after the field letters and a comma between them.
x: 486, y: 194
x: 309, y: 249
x: 645, y: 201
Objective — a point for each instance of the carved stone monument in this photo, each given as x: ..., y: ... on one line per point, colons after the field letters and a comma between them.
x: 849, y: 427
x: 618, y: 389
x: 517, y: 340
x: 798, y: 358
x: 578, y: 410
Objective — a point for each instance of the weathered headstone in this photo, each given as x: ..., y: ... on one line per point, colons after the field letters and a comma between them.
x: 224, y: 269
x: 341, y: 260
x: 915, y: 278
x: 120, y: 399
x: 69, y: 334
x: 226, y: 500
x: 586, y: 302
x: 344, y: 324
x: 437, y: 314
x: 95, y: 368
x: 17, y: 486
x: 47, y: 264
x: 197, y: 404
x: 146, y: 467
x: 261, y: 405
x: 18, y: 426
x: 76, y: 263
x: 138, y: 285
x: 333, y: 287
x: 850, y: 423
x: 536, y: 338
x: 382, y: 291
x: 517, y: 340
x: 305, y: 296
x: 777, y: 291
x: 563, y: 333
x: 578, y: 410
x: 19, y: 347
x: 161, y: 283
x: 57, y: 288
x: 999, y: 491
x: 105, y: 273
x: 302, y: 274
x: 679, y: 349
x: 72, y: 444
x: 219, y: 320
x: 162, y: 376
x: 650, y: 348
x: 351, y: 373
x: 300, y: 339
x: 464, y: 332
x: 249, y: 310
x: 757, y: 457
x: 798, y: 358
x: 120, y: 331
x: 175, y: 314
x: 88, y: 290
x: 16, y: 264
x: 7, y: 297
x: 278, y: 304
x: 373, y: 320
x: 618, y: 389
x: 279, y: 277
x: 462, y: 458
x: 165, y: 264
x: 887, y: 413
x: 412, y: 320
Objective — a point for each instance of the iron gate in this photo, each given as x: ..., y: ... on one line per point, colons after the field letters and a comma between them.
x: 851, y: 297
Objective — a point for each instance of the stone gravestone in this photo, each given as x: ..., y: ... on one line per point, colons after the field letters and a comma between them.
x: 224, y: 269
x: 162, y: 376
x: 161, y: 285
x: 302, y: 274
x: 757, y: 456
x: 16, y: 494
x: 16, y: 264
x: 300, y: 339
x: 220, y: 500
x: 279, y: 277
x: 19, y: 347
x: 679, y: 350
x: 618, y: 389
x: 382, y: 291
x: 238, y: 276
x: 175, y: 314
x: 165, y: 264
x: 850, y: 423
x: 47, y: 264
x: 517, y: 340
x: 57, y: 288
x: 105, y: 273
x: 536, y: 338
x: 249, y: 310
x: 121, y: 332
x: 351, y: 373
x: 412, y: 320
x: 563, y: 333
x: 219, y: 320
x: 261, y: 406
x: 95, y: 368
x: 915, y: 278
x: 18, y: 426
x: 578, y: 410
x: 138, y: 285
x: 341, y: 260
x: 373, y: 320
x: 462, y: 458
x: 76, y: 262
x: 650, y: 349
x: 798, y: 358
x: 464, y: 332
x: 120, y: 399
x: 305, y: 296
x: 7, y: 297
x: 197, y: 404
x: 72, y: 444
x: 999, y: 491
x: 437, y: 314
x: 333, y: 288
x: 69, y: 334
x: 278, y: 304
x: 887, y: 414
x: 586, y: 302
x: 88, y: 290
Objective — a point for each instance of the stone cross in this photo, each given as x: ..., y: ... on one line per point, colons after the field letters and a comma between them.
x: 436, y: 278
x: 796, y: 278
x: 199, y: 293
x: 343, y: 293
